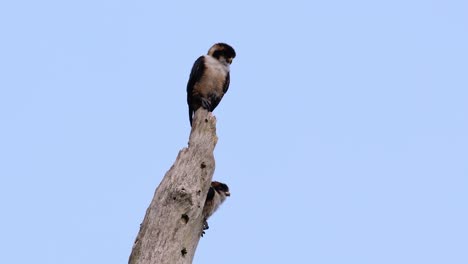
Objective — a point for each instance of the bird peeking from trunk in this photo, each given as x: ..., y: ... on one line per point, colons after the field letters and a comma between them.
x: 209, y: 78
x: 216, y: 195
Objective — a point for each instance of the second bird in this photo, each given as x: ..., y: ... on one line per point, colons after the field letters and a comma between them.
x: 209, y: 78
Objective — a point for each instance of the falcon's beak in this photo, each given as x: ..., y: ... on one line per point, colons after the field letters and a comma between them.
x: 227, y: 193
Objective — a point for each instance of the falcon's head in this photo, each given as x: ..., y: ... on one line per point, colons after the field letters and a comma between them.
x: 222, y: 51
x: 221, y: 188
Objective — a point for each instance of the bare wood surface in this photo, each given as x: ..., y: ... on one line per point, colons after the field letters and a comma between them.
x: 173, y: 222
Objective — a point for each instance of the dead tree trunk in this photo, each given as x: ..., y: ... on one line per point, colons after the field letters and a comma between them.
x: 173, y: 222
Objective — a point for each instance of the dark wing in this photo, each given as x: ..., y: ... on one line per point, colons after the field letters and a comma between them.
x: 210, y: 194
x: 226, y: 83
x: 195, y: 75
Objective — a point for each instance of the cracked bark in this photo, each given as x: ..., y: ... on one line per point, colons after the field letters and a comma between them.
x: 173, y: 222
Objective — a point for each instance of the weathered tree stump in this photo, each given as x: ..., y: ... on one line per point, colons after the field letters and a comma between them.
x: 173, y: 222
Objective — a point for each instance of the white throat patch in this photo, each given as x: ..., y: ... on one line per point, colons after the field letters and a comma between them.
x: 217, y: 65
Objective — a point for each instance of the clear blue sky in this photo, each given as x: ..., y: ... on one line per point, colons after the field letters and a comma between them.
x: 343, y: 137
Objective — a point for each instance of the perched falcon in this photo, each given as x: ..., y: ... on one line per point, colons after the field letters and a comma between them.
x: 209, y: 78
x: 216, y: 195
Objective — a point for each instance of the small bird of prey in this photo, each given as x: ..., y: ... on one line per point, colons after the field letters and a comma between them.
x: 216, y: 195
x: 209, y: 78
